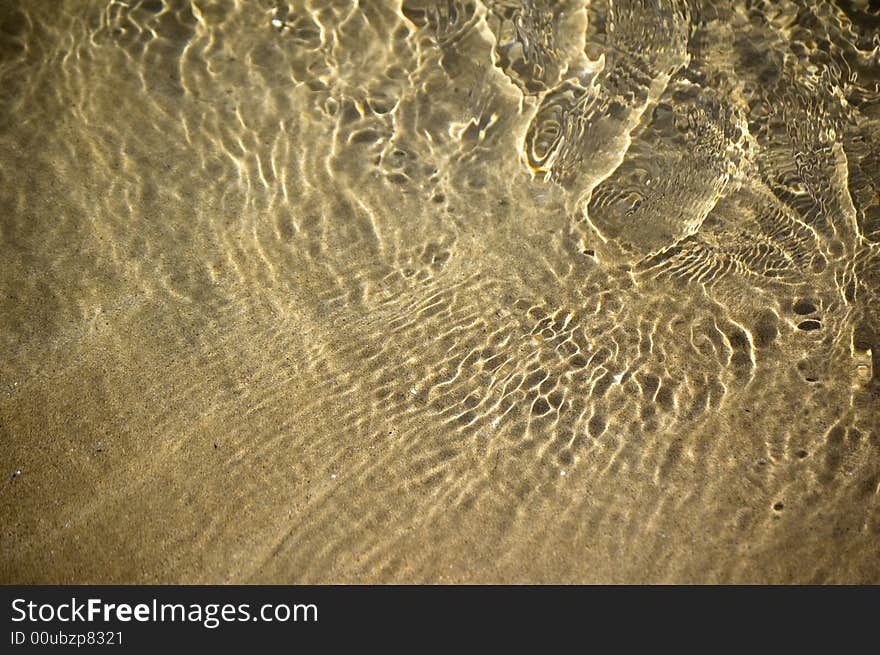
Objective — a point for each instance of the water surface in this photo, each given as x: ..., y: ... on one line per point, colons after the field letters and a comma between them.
x: 439, y: 291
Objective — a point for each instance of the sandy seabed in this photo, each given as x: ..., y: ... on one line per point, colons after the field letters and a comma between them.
x: 439, y: 292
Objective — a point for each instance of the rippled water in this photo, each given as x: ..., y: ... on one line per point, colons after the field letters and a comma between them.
x: 440, y: 291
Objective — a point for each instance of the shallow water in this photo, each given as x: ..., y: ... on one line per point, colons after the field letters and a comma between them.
x: 440, y: 291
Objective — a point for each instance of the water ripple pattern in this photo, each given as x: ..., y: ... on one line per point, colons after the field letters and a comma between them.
x: 439, y: 291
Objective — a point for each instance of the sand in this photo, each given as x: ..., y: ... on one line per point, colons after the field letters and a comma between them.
x: 467, y: 292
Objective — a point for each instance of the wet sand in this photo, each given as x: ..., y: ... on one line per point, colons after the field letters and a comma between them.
x: 439, y: 292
